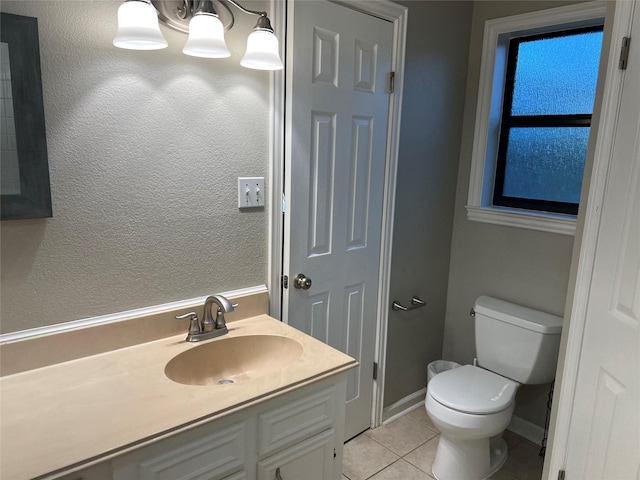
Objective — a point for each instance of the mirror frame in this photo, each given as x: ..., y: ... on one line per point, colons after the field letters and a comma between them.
x: 34, y: 200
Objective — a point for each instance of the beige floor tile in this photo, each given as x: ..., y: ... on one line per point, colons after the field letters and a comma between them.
x: 401, y: 470
x: 421, y: 416
x: 502, y: 474
x: 511, y: 438
x: 402, y: 435
x: 423, y: 456
x: 524, y: 462
x: 364, y: 457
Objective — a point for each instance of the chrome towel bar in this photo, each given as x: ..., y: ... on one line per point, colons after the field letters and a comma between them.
x: 415, y: 303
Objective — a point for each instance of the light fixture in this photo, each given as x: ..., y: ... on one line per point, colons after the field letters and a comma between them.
x: 138, y: 27
x: 205, y: 21
x: 206, y: 34
x: 262, y: 48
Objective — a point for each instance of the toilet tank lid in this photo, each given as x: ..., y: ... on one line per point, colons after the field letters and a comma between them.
x: 518, y: 315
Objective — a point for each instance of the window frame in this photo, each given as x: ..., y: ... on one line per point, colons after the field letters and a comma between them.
x: 509, y: 121
x: 497, y: 35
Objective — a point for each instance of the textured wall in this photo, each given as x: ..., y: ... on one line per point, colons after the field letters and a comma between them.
x: 433, y: 100
x: 523, y: 266
x: 144, y: 152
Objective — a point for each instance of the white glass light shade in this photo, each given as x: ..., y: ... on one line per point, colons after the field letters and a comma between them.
x: 138, y: 27
x: 262, y: 51
x: 206, y: 38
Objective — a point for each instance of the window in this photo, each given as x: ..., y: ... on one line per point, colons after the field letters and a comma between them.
x: 537, y: 86
x: 546, y: 117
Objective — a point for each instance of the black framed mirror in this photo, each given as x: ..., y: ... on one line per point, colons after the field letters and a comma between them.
x: 24, y: 176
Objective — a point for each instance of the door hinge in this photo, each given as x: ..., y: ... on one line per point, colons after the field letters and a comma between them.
x: 375, y: 370
x: 391, y: 82
x: 561, y: 474
x: 285, y: 281
x: 624, y: 53
x: 334, y: 453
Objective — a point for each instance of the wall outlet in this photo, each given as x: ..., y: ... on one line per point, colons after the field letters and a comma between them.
x: 250, y: 192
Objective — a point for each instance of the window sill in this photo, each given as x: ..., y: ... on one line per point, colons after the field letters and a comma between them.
x: 527, y: 219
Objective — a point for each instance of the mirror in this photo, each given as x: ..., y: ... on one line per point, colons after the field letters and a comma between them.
x: 144, y: 151
x: 24, y: 174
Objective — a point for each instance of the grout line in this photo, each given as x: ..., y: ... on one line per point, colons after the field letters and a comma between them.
x: 385, y: 467
x: 397, y: 454
x: 382, y: 445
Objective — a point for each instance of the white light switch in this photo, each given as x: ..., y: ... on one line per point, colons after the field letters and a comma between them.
x: 250, y: 192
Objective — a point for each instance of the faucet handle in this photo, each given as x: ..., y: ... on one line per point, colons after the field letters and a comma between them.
x: 220, y: 321
x: 194, y: 323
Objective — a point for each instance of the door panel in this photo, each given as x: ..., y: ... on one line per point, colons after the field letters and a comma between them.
x: 336, y: 159
x: 604, y: 431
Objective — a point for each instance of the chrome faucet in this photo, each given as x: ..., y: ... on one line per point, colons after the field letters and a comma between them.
x: 210, y: 327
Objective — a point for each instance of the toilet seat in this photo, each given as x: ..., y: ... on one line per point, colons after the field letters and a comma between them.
x: 471, y: 389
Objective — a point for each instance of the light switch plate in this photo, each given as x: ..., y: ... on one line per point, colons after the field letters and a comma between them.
x: 250, y: 192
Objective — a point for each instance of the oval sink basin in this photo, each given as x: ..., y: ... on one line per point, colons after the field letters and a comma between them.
x: 233, y: 359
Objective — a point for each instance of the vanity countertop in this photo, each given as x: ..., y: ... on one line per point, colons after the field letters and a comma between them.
x: 61, y: 417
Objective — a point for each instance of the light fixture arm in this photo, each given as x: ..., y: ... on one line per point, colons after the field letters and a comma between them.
x: 263, y: 22
x: 246, y: 10
x: 177, y: 13
x: 183, y: 11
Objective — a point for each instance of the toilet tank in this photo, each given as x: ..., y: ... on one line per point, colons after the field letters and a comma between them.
x: 515, y: 341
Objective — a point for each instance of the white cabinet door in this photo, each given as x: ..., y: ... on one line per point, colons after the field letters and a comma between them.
x: 309, y: 460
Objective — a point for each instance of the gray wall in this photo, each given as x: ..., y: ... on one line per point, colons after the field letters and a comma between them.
x: 144, y: 152
x: 435, y: 78
x: 522, y: 266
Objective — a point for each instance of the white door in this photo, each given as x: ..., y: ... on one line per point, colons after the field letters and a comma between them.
x: 604, y: 427
x: 336, y: 157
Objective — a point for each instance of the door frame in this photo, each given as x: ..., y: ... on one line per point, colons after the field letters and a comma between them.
x: 584, y: 259
x: 397, y: 15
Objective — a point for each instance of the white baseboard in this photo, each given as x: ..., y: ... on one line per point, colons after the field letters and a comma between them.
x: 532, y: 432
x: 403, y: 406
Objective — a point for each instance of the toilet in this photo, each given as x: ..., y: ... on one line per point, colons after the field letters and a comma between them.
x: 472, y: 405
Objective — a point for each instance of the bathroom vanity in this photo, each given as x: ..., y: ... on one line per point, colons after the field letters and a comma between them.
x: 296, y: 435
x: 273, y: 408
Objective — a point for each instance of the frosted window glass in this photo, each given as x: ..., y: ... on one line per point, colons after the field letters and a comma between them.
x: 546, y: 163
x: 557, y: 76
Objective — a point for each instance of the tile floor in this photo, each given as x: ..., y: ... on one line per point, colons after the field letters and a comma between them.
x: 404, y: 450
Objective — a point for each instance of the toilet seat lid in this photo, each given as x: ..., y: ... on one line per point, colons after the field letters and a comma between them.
x: 472, y: 389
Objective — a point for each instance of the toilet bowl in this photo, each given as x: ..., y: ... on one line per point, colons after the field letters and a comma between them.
x: 472, y: 405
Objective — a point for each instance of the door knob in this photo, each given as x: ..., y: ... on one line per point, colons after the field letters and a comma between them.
x: 301, y: 281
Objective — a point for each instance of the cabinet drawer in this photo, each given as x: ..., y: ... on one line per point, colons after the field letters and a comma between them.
x: 213, y: 456
x: 102, y: 471
x: 237, y: 476
x: 308, y: 460
x: 295, y: 421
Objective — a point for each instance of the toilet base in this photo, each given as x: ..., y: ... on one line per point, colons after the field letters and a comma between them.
x: 469, y: 459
